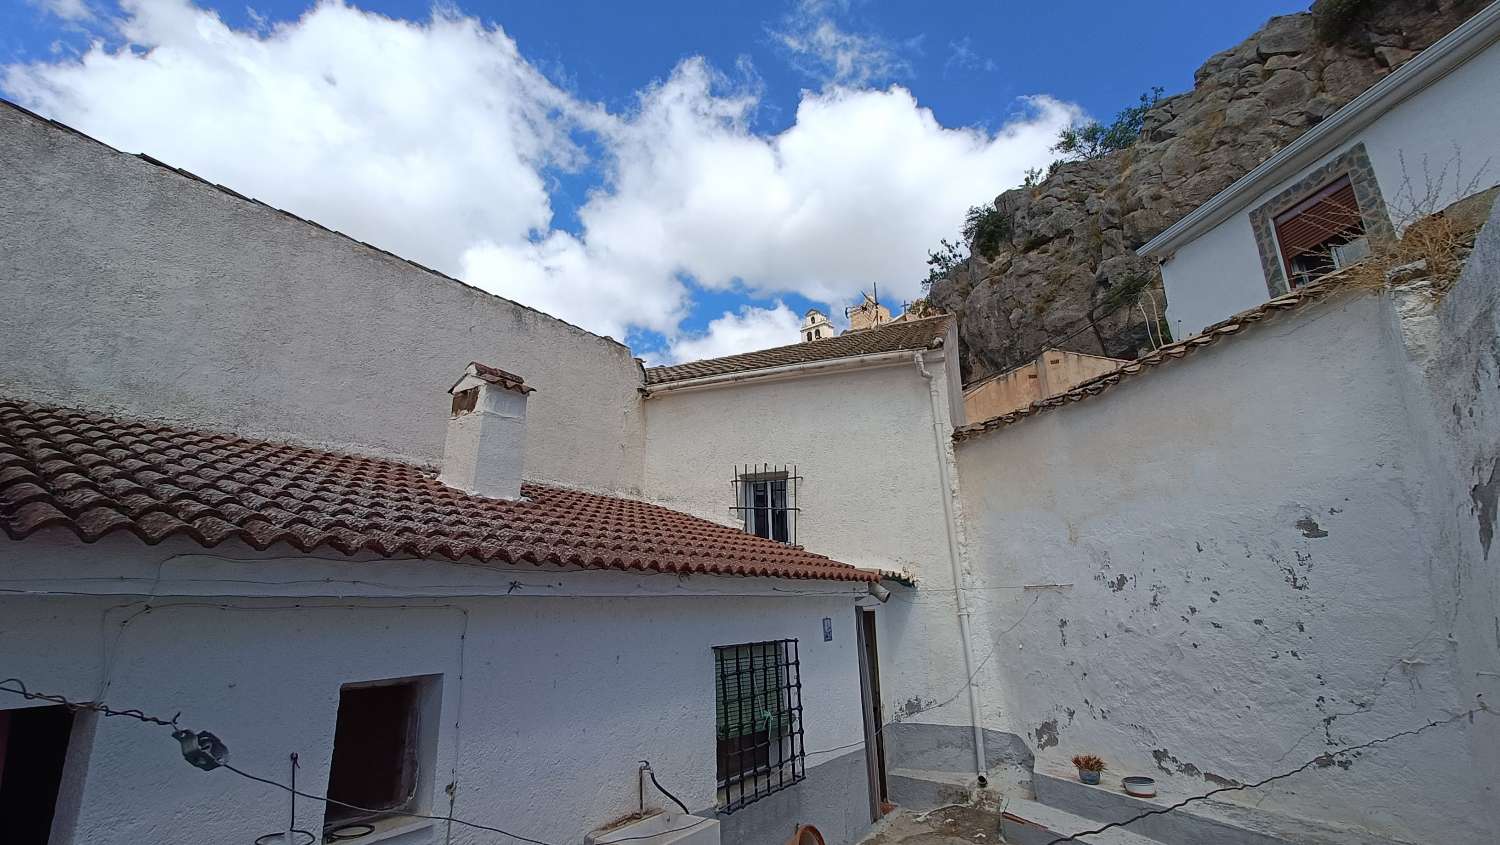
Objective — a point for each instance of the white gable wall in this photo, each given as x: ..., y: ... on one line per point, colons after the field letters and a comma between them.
x: 132, y: 289
x: 1428, y: 151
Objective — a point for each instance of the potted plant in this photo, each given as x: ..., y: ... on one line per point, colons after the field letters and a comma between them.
x: 1089, y: 768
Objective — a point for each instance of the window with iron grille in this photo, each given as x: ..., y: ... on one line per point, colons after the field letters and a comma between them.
x: 765, y: 499
x: 758, y: 698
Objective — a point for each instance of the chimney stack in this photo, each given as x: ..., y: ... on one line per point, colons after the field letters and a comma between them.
x: 486, y: 433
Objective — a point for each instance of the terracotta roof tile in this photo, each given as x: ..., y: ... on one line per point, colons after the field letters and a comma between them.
x: 95, y: 476
x: 893, y: 337
x: 1171, y: 352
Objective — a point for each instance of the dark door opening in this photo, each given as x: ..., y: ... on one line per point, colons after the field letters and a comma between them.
x: 869, y: 677
x: 33, y: 749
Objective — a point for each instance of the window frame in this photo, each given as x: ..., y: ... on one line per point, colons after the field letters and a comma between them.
x: 1337, y: 234
x: 766, y: 496
x: 418, y: 756
x: 777, y: 754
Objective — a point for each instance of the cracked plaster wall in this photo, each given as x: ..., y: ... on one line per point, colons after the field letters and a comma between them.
x: 1252, y: 572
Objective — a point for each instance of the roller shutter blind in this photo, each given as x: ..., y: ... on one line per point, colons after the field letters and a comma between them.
x: 1331, y: 213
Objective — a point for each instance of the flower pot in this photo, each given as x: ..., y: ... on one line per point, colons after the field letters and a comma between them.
x: 1091, y: 778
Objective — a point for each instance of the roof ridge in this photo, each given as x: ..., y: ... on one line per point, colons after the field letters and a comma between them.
x: 906, y: 335
x: 845, y: 334
x: 307, y: 221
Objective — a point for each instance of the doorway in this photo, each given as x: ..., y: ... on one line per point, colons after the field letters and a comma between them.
x: 33, y: 749
x: 874, y: 716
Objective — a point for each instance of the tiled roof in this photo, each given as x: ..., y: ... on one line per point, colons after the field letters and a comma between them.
x: 892, y: 337
x: 94, y: 475
x: 1172, y: 351
x: 496, y: 376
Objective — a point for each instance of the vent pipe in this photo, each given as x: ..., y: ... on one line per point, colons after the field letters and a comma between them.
x: 486, y: 440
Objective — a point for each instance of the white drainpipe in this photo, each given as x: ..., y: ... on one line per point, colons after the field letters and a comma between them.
x: 950, y: 523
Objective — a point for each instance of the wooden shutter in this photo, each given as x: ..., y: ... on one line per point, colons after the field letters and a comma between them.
x: 1330, y: 213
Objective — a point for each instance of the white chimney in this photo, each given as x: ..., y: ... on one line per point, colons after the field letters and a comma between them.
x: 486, y: 433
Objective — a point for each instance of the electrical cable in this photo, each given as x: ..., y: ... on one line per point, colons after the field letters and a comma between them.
x: 325, y: 799
x: 100, y: 707
x: 646, y: 764
x: 1328, y: 758
x: 291, y: 825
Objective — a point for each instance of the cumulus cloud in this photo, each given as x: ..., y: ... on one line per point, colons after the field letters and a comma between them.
x: 818, y: 47
x: 438, y: 139
x: 750, y: 328
x: 422, y: 138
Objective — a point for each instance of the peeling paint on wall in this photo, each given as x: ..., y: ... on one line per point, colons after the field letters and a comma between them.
x: 1310, y: 528
x: 1485, y: 496
x: 1046, y: 734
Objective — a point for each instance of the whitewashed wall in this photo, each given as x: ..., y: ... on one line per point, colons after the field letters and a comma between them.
x: 1250, y: 575
x: 1427, y: 152
x: 566, y: 683
x: 130, y: 288
x: 870, y: 495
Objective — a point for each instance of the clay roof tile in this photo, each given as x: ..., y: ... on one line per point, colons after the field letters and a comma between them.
x: 94, y: 475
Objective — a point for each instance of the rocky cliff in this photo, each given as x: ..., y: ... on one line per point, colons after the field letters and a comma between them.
x: 1067, y: 275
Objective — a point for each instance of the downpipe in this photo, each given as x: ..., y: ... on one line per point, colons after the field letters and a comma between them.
x: 950, y: 524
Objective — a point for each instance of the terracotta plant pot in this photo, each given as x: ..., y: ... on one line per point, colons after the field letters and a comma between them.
x: 1088, y: 777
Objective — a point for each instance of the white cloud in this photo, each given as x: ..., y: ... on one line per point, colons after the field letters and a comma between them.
x: 434, y: 140
x: 731, y: 333
x: 68, y: 10
x: 423, y: 138
x: 817, y: 46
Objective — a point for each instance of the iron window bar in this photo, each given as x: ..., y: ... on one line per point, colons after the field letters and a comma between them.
x: 760, y: 749
x: 765, y: 501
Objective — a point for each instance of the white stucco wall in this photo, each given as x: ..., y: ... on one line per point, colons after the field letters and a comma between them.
x: 870, y: 495
x: 566, y: 683
x: 131, y: 288
x: 1249, y: 575
x: 1428, y: 151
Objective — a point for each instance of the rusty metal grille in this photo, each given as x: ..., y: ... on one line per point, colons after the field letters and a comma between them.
x: 758, y: 697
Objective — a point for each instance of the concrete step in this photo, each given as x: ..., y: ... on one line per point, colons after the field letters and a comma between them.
x: 923, y: 789
x: 1024, y: 822
x: 1202, y: 821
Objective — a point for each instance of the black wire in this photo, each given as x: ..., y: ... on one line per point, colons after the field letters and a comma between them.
x: 325, y: 799
x: 75, y: 706
x: 100, y: 707
x: 1322, y: 760
x: 646, y: 764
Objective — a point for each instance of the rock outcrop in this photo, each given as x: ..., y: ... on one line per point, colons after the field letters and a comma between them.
x: 1068, y: 275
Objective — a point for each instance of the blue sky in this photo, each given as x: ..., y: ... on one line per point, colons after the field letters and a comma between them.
x: 687, y: 176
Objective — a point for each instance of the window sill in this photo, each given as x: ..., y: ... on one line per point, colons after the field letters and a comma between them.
x: 400, y: 831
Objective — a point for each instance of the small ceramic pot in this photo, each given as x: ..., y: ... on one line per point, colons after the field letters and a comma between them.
x: 1140, y: 787
x: 1088, y: 777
